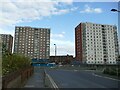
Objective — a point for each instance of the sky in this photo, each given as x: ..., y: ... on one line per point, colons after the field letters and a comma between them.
x: 61, y: 16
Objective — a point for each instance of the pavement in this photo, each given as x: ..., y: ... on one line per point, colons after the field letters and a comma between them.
x: 36, y: 80
x: 81, y: 79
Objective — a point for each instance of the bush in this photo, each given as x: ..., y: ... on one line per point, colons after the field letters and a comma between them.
x: 13, y: 62
x: 106, y: 71
x: 112, y: 71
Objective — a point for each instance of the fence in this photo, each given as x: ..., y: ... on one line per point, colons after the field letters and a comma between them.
x: 17, y: 78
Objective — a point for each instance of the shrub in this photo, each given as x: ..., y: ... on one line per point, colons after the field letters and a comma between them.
x: 13, y: 62
x: 112, y: 71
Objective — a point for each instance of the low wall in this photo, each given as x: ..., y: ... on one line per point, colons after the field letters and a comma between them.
x: 16, y: 79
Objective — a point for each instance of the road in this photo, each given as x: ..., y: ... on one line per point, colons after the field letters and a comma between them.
x: 80, y: 79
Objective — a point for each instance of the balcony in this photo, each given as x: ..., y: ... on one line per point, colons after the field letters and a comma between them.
x: 105, y: 56
x: 103, y: 29
x: 104, y: 40
x: 104, y: 44
x: 105, y: 53
x: 103, y: 34
x: 102, y: 25
x: 104, y: 50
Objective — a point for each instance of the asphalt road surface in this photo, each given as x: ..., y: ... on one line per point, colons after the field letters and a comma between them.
x: 81, y: 79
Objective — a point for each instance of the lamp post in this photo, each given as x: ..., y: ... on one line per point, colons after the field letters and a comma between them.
x: 55, y: 51
x: 115, y: 10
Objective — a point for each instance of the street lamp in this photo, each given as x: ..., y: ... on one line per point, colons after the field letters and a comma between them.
x: 115, y: 10
x: 55, y: 51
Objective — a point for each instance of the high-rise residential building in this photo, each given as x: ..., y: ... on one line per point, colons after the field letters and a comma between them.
x: 32, y: 42
x: 96, y: 43
x: 7, y: 42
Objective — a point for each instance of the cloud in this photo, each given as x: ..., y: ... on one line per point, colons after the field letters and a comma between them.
x: 74, y: 8
x: 64, y: 47
x: 95, y: 0
x: 28, y: 10
x: 88, y: 9
x: 69, y: 2
x: 62, y: 11
x: 6, y: 31
x: 17, y: 11
x: 58, y: 35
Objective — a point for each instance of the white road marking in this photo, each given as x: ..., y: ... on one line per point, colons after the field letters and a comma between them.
x: 105, y: 77
x: 88, y: 70
x: 75, y: 70
x: 29, y: 86
x: 52, y: 81
x: 64, y: 84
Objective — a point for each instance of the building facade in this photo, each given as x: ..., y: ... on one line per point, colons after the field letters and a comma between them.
x: 96, y: 43
x: 65, y: 59
x: 32, y: 42
x: 7, y: 42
